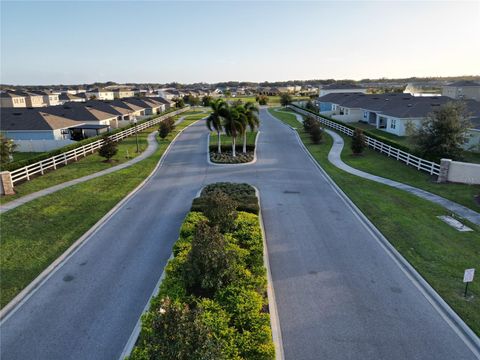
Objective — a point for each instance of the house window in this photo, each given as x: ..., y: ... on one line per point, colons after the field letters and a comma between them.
x: 393, y: 124
x: 364, y: 114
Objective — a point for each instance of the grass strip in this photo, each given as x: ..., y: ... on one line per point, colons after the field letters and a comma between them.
x: 437, y: 251
x: 35, y: 234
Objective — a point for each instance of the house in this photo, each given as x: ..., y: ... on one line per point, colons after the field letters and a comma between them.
x: 392, y: 113
x: 135, y: 110
x: 87, y: 115
x: 340, y: 88
x: 462, y: 90
x: 50, y: 98
x: 122, y: 114
x: 34, y: 124
x: 11, y: 99
x: 123, y: 93
x: 100, y: 94
x: 67, y: 97
x: 168, y: 104
x: 149, y: 106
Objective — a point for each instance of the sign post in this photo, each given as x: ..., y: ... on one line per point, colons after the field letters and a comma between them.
x: 468, y: 278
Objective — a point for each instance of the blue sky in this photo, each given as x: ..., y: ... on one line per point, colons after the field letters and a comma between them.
x: 156, y: 41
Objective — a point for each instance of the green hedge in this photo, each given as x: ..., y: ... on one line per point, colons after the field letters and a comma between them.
x: 243, y: 194
x: 366, y: 132
x: 235, y: 318
x: 21, y: 163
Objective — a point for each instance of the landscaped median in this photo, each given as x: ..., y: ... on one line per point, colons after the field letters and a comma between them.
x: 436, y: 250
x: 225, y: 156
x: 35, y: 234
x: 212, y: 303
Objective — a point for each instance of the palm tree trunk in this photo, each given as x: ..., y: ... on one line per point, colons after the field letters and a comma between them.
x: 233, y: 146
x: 245, y: 142
x: 219, y: 144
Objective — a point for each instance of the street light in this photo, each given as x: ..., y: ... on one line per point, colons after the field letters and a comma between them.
x: 136, y: 131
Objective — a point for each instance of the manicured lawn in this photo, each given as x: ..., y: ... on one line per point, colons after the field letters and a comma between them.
x: 379, y: 164
x: 35, y: 234
x: 17, y: 156
x: 88, y: 165
x: 438, y: 252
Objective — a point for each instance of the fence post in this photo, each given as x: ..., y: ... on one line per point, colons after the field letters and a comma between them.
x: 6, y: 187
x: 443, y: 173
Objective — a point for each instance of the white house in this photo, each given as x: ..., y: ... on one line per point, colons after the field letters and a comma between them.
x: 100, y: 94
x: 462, y: 90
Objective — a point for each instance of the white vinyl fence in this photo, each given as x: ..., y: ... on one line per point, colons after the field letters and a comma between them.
x: 421, y: 164
x: 62, y: 159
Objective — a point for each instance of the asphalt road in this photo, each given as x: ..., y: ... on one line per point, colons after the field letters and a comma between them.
x: 339, y: 294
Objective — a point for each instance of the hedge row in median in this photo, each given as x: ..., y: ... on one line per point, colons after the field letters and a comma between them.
x: 212, y: 303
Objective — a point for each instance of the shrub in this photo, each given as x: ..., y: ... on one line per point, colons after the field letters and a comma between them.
x: 212, y: 263
x: 262, y: 99
x: 109, y: 148
x: 177, y: 331
x: 164, y: 129
x: 308, y: 123
x: 358, y: 141
x: 220, y: 210
x: 316, y: 133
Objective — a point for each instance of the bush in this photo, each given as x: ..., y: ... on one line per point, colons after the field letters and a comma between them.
x: 164, y: 129
x: 316, y: 133
x: 109, y: 148
x: 358, y: 142
x: 220, y: 210
x: 242, y: 194
x: 178, y: 331
x: 262, y: 99
x: 212, y: 262
x: 308, y: 123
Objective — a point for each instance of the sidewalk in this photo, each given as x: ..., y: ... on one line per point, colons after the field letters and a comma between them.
x: 334, y: 156
x: 335, y: 159
x: 152, y: 147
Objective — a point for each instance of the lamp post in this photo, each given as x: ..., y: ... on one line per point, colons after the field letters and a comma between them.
x: 136, y: 131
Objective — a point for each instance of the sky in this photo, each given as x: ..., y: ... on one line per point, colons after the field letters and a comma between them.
x: 70, y: 42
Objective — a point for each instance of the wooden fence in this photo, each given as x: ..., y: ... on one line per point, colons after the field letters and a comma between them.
x: 420, y: 164
x: 25, y: 173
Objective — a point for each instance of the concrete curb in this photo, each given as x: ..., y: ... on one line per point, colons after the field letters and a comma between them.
x: 9, y: 309
x: 272, y: 303
x: 241, y: 164
x: 445, y: 311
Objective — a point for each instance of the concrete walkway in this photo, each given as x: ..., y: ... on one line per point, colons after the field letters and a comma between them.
x: 151, y: 148
x: 334, y: 156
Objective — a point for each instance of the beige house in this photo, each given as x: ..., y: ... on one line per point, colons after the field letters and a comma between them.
x: 123, y: 93
x: 51, y: 99
x: 10, y: 99
x: 462, y: 90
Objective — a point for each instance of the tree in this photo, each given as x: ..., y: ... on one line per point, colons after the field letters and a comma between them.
x: 179, y: 103
x: 164, y: 129
x: 206, y: 100
x: 228, y: 93
x: 233, y: 124
x: 311, y: 106
x: 7, y: 147
x: 214, y: 120
x: 316, y: 133
x: 443, y: 132
x: 250, y: 118
x: 212, y: 262
x: 220, y: 210
x: 308, y: 123
x: 285, y: 99
x: 358, y: 141
x: 108, y: 148
x: 262, y: 99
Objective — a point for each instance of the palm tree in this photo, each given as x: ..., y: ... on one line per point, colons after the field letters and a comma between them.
x: 214, y: 121
x: 232, y: 123
x: 250, y: 111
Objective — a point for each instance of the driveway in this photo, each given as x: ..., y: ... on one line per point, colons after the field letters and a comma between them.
x: 339, y: 294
